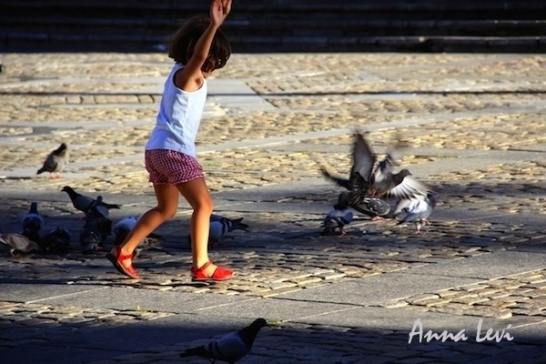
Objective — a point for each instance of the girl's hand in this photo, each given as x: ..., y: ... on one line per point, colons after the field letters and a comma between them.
x: 219, y: 10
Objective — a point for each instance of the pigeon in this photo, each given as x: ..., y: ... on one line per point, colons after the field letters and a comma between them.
x: 18, y: 243
x: 32, y: 222
x: 359, y: 179
x: 90, y: 239
x: 220, y: 226
x: 231, y: 347
x: 95, y: 231
x: 151, y: 242
x: 102, y: 207
x: 122, y: 228
x: 373, y: 207
x: 56, y: 241
x: 83, y: 203
x: 55, y: 161
x: 417, y: 209
x: 368, y: 177
x: 335, y: 221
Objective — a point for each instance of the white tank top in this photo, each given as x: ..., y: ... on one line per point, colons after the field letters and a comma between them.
x: 179, y: 117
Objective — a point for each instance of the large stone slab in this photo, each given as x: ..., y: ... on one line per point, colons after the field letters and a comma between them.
x: 378, y: 289
x: 130, y: 298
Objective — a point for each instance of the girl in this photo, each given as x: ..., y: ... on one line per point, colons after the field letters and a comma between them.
x: 198, y: 48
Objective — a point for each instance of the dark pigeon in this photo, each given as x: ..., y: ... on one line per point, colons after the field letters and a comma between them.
x: 371, y: 178
x: 56, y: 241
x: 84, y: 203
x: 95, y: 231
x: 55, y: 161
x: 231, y: 347
x: 32, y: 223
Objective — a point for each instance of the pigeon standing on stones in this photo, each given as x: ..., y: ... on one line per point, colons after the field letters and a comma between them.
x: 417, y: 209
x: 231, y: 347
x: 122, y: 228
x: 335, y: 221
x: 55, y: 161
x: 95, y: 231
x: 220, y: 226
x: 17, y: 243
x: 32, y: 222
x: 83, y: 203
x: 56, y: 241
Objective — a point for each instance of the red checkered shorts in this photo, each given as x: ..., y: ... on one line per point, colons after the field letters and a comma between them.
x: 170, y: 167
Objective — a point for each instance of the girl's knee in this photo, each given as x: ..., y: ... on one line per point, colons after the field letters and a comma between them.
x: 205, y: 206
x: 166, y: 214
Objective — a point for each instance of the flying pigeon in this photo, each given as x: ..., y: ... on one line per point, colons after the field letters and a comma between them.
x: 32, y: 222
x: 18, y: 243
x: 371, y: 178
x: 55, y: 161
x: 335, y: 221
x: 83, y: 203
x: 231, y: 347
x: 220, y: 226
x: 373, y: 207
x: 56, y: 241
x: 417, y: 209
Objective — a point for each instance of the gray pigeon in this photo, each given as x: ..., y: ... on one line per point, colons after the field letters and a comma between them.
x: 231, y: 347
x: 370, y: 178
x: 55, y: 161
x: 18, y: 243
x: 335, y: 221
x: 122, y: 228
x: 56, y: 241
x: 83, y: 203
x: 373, y: 207
x: 32, y: 222
x: 95, y: 231
x: 417, y: 209
x: 220, y: 226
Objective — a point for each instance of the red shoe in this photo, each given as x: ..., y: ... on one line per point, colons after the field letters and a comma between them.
x: 219, y: 274
x: 116, y: 260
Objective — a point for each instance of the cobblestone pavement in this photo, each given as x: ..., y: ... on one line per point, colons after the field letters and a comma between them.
x: 474, y: 129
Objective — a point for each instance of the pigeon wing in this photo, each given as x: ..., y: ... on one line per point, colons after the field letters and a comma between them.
x: 408, y: 188
x: 363, y: 158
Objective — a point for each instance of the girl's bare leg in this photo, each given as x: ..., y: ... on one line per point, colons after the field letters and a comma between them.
x: 167, y: 205
x: 198, y: 196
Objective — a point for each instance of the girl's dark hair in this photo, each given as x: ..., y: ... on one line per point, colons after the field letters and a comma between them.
x: 184, y: 40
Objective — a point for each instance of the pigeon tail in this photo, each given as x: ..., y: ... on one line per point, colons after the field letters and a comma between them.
x: 237, y: 224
